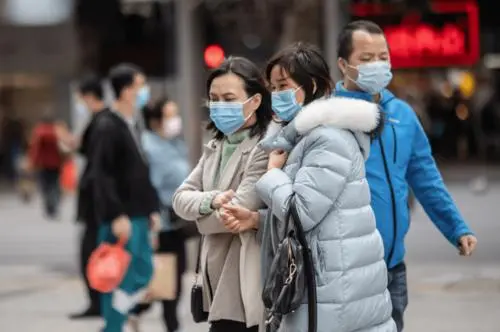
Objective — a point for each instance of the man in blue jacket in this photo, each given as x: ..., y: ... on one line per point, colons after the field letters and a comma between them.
x: 400, y: 157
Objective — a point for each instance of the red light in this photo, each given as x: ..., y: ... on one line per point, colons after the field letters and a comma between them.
x: 214, y: 56
x: 416, y: 44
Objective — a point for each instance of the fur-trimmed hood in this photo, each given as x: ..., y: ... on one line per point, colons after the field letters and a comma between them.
x: 358, y: 116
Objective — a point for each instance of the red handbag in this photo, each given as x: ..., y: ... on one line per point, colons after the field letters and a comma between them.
x: 107, y: 266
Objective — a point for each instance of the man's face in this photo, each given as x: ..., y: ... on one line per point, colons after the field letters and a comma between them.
x: 139, y: 82
x: 133, y: 90
x: 88, y: 99
x: 366, y: 47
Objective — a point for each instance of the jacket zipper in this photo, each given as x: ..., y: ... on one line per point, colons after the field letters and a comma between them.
x: 395, y: 140
x: 393, y: 200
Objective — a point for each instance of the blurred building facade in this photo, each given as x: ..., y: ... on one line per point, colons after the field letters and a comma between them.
x: 438, y: 47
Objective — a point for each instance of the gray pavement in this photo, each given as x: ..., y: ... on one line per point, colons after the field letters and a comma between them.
x: 39, y: 284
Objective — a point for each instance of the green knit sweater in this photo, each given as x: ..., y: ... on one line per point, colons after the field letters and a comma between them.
x: 229, y: 145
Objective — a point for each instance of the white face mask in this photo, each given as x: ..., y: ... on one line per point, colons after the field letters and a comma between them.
x: 172, y: 127
x: 373, y: 77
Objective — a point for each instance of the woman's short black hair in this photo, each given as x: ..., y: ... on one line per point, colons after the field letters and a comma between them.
x: 154, y: 112
x: 91, y: 85
x: 305, y: 64
x: 122, y: 76
x: 254, y: 84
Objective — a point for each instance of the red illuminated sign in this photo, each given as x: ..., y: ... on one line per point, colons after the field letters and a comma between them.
x: 449, y: 36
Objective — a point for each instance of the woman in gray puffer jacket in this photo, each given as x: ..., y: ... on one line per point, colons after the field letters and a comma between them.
x: 318, y: 160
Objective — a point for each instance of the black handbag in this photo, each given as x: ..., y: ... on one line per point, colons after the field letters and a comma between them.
x: 290, y: 275
x: 199, y: 315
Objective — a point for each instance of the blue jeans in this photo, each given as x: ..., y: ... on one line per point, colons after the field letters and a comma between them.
x: 398, y: 288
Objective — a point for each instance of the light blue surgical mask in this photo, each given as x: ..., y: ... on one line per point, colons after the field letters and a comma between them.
x: 81, y: 109
x: 142, y: 97
x: 227, y: 116
x: 373, y: 77
x: 285, y: 104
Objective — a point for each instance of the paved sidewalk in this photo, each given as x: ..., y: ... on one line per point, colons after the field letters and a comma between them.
x: 39, y: 287
x: 449, y: 302
x: 46, y: 310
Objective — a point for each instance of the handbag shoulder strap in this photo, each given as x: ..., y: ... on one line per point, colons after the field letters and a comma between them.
x: 312, y: 297
x: 198, y: 268
x: 198, y: 260
x: 293, y: 215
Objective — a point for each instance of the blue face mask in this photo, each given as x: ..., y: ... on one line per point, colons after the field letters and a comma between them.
x: 373, y: 77
x: 142, y: 98
x: 81, y: 109
x: 285, y: 104
x: 228, y: 117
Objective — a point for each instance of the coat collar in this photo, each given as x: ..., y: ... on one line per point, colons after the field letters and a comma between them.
x: 246, y: 146
x: 355, y: 115
x: 213, y: 149
x: 343, y: 113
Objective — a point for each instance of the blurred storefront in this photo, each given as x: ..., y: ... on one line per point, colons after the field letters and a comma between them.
x: 436, y: 51
x: 436, y: 45
x: 38, y: 52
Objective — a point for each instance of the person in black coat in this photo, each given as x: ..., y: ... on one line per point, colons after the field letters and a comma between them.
x: 124, y: 200
x: 91, y: 97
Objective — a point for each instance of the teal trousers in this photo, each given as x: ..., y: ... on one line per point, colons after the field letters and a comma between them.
x: 116, y: 305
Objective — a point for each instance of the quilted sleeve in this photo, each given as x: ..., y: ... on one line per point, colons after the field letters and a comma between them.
x: 321, y: 178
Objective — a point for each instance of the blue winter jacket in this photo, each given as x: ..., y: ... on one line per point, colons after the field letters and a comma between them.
x: 168, y: 167
x: 400, y: 158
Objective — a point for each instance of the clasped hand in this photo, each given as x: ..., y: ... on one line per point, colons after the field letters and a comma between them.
x: 238, y: 219
x: 235, y: 218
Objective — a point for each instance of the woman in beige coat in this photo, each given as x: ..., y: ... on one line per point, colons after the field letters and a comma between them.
x: 231, y: 164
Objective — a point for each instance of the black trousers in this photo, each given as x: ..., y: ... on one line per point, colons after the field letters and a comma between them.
x: 231, y: 326
x: 170, y: 242
x: 51, y: 190
x: 88, y: 243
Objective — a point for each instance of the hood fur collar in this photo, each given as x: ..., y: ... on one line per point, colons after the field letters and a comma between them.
x: 358, y: 116
x: 345, y: 113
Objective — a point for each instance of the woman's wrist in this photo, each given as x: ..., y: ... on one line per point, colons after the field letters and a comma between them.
x: 255, y: 219
x: 206, y: 204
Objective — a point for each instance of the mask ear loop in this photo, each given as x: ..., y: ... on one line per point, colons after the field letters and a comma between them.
x: 295, y: 95
x: 252, y: 113
x: 347, y: 75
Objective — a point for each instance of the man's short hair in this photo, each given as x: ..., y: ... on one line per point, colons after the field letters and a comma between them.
x: 122, y: 76
x: 344, y: 46
x: 91, y: 85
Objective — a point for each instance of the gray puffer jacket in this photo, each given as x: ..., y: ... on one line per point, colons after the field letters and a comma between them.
x: 325, y: 171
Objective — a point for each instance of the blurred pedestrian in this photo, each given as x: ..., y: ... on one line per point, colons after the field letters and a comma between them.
x: 168, y: 162
x: 47, y: 155
x: 232, y: 162
x: 400, y: 158
x: 123, y: 197
x: 317, y: 168
x: 90, y: 98
x: 13, y: 143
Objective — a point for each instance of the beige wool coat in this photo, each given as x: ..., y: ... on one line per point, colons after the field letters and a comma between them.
x: 231, y: 261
